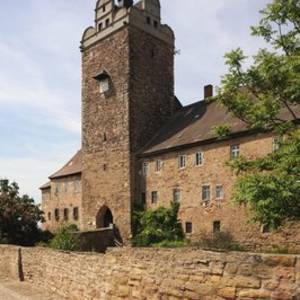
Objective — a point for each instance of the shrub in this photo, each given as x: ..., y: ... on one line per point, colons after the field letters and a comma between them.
x: 219, y: 241
x: 156, y: 226
x: 172, y: 244
x: 64, y: 240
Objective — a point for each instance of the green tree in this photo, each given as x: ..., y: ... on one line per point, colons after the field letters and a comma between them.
x: 157, y: 226
x: 266, y: 96
x: 19, y: 216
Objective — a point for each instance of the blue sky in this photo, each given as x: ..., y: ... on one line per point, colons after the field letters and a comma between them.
x: 40, y: 72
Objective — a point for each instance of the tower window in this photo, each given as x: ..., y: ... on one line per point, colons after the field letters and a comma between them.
x: 155, y: 24
x: 49, y: 216
x: 104, y: 137
x: 188, y: 227
x: 104, y: 82
x: 100, y: 26
x: 107, y: 22
x: 104, y: 8
x: 148, y: 19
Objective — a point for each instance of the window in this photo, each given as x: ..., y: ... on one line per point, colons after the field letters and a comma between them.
x: 104, y: 167
x: 104, y: 85
x: 276, y: 143
x: 66, y: 187
x: 104, y: 8
x: 154, y: 197
x: 100, y: 26
x: 181, y: 161
x: 148, y: 19
x: 75, y: 213
x: 77, y: 186
x: 219, y: 192
x: 158, y: 165
x: 234, y: 151
x: 188, y: 227
x: 155, y: 24
x: 206, y: 193
x: 107, y: 22
x: 56, y: 214
x: 104, y: 137
x: 216, y: 226
x: 199, y: 159
x: 176, y: 195
x: 49, y: 216
x: 143, y: 198
x: 145, y: 168
x: 66, y: 214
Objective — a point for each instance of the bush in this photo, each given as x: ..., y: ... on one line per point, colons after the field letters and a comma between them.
x: 219, y: 241
x: 156, y: 226
x: 64, y: 240
x: 172, y: 244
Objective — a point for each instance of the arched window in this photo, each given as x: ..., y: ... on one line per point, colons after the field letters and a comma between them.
x: 104, y: 82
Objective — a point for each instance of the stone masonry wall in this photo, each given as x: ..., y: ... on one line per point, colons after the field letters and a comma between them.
x: 213, y: 172
x: 155, y: 274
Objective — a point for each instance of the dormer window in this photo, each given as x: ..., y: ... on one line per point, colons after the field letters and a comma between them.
x: 104, y: 82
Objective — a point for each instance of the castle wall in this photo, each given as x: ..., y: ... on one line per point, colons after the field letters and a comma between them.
x: 153, y: 274
x: 213, y: 172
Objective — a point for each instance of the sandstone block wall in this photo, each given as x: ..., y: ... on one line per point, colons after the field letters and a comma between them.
x: 155, y: 274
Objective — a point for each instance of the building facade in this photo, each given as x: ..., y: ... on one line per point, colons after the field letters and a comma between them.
x: 139, y: 145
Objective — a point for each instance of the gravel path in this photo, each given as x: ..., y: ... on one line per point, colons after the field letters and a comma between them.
x: 10, y: 290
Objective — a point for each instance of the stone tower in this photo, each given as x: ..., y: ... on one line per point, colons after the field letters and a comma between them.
x: 127, y: 94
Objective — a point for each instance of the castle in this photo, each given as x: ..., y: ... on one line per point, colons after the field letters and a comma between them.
x: 139, y: 144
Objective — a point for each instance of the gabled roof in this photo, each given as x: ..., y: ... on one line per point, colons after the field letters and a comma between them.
x: 74, y: 166
x: 193, y: 125
x: 46, y: 186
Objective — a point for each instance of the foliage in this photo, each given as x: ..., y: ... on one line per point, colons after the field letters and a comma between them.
x: 19, y: 216
x: 64, y: 240
x: 271, y: 185
x: 172, y: 244
x: 222, y: 130
x: 219, y: 241
x: 266, y: 96
x: 156, y: 226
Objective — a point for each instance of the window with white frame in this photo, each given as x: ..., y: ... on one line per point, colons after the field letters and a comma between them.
x: 145, y: 168
x: 158, y: 165
x: 154, y: 197
x: 234, y: 151
x: 182, y: 161
x: 219, y: 191
x: 206, y: 193
x: 199, y: 159
x: 176, y: 195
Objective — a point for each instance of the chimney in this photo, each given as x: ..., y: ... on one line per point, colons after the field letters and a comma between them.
x: 208, y: 91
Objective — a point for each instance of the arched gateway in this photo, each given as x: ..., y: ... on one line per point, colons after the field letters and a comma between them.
x: 104, y: 218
